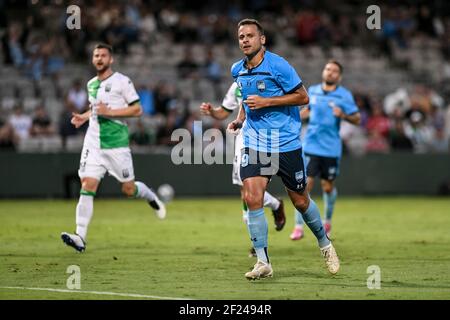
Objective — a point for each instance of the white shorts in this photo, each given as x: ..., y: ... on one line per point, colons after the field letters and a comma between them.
x: 238, y: 145
x: 94, y: 163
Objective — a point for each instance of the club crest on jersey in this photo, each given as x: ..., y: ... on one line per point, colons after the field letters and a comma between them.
x: 108, y: 87
x: 125, y: 173
x: 261, y: 85
x: 299, y: 176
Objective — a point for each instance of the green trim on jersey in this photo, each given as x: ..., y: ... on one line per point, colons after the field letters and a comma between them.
x: 93, y: 87
x: 238, y: 93
x: 112, y: 134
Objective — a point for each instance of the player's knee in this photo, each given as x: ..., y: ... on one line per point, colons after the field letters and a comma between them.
x: 301, y: 203
x: 89, y: 185
x: 327, y: 187
x: 253, y: 199
x: 128, y: 189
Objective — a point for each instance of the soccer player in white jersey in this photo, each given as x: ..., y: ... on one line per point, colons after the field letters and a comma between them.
x: 112, y: 98
x: 231, y: 102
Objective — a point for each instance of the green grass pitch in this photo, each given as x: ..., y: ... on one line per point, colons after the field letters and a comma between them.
x: 200, y: 251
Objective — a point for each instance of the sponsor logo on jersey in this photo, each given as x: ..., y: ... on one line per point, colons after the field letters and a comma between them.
x: 261, y: 85
x: 108, y: 87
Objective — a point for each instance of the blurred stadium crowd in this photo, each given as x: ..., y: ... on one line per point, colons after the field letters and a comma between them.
x: 179, y: 54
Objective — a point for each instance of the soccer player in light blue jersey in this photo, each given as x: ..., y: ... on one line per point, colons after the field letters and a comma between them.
x: 271, y: 92
x: 329, y: 104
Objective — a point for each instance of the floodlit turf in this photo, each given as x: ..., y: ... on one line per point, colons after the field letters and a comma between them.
x: 200, y: 251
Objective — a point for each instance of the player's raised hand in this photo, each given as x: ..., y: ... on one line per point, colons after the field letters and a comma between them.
x: 255, y: 102
x: 102, y: 109
x: 78, y: 119
x: 234, y: 127
x: 205, y: 108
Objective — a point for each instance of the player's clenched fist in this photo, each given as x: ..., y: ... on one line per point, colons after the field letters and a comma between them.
x: 78, y: 119
x: 234, y: 127
x: 205, y: 108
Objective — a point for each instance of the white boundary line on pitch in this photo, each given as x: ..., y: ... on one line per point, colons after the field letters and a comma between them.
x: 132, y: 295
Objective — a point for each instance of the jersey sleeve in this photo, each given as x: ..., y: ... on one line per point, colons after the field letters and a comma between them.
x: 349, y: 105
x: 129, y: 92
x: 286, y: 76
x: 231, y: 100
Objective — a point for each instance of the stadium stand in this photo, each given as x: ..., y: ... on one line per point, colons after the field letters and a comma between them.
x: 399, y: 74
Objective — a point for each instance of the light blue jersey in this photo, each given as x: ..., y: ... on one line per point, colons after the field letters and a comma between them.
x: 322, y: 136
x: 271, y: 129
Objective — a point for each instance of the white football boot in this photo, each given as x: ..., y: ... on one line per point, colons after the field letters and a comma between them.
x: 331, y: 258
x: 73, y: 240
x: 260, y: 270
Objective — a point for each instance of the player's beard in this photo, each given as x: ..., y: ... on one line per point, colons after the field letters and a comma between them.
x: 330, y: 83
x: 253, y: 54
x: 102, y: 69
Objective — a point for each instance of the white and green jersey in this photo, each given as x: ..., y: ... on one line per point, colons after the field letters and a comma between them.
x: 117, y: 91
x: 233, y: 98
x: 231, y: 102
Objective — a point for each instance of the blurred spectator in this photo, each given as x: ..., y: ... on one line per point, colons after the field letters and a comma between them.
x: 419, y: 132
x: 399, y: 140
x: 164, y: 98
x: 147, y: 100
x: 13, y: 43
x: 41, y: 125
x: 76, y: 101
x: 440, y: 143
x: 213, y: 72
x: 7, y: 138
x: 398, y: 100
x: 165, y: 132
x: 376, y: 142
x: 307, y: 25
x: 20, y: 123
x: 378, y: 121
x: 141, y: 136
x: 187, y: 67
x: 76, y: 98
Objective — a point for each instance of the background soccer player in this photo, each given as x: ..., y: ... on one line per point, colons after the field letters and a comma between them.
x: 271, y: 92
x: 112, y: 97
x: 231, y: 102
x: 329, y: 103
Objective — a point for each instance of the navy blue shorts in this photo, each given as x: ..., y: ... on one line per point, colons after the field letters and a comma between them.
x: 288, y: 166
x: 324, y: 167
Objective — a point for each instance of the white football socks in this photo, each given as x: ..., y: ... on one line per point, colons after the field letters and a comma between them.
x: 84, y: 212
x: 144, y: 192
x: 270, y: 201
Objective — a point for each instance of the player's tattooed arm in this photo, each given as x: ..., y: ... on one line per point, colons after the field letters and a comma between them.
x: 354, y: 118
x: 297, y: 98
